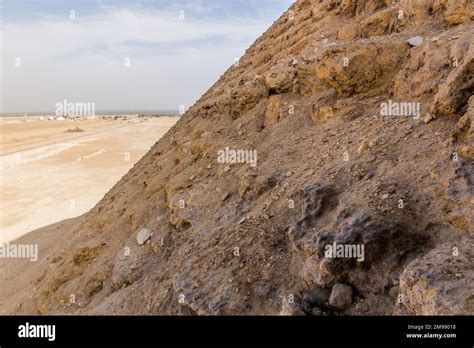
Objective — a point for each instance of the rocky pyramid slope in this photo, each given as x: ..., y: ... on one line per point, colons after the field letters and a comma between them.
x: 360, y: 113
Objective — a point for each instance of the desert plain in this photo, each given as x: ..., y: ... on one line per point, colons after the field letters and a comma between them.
x: 52, y: 170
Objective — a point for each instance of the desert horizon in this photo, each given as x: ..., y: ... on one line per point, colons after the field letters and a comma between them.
x: 38, y: 155
x: 98, y: 113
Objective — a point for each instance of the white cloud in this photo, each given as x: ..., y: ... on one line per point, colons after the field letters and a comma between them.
x: 172, y: 61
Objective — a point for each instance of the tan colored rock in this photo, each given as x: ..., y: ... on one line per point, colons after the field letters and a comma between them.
x: 453, y: 12
x: 291, y: 306
x: 428, y: 66
x: 43, y: 302
x: 363, y: 148
x: 323, y: 114
x: 467, y: 151
x: 341, y: 296
x: 272, y: 113
x: 428, y: 118
x: 280, y: 78
x: 439, y: 282
x: 459, y: 11
x: 377, y: 24
x: 370, y: 65
x: 246, y: 96
x: 456, y: 91
x: 348, y: 32
x: 348, y: 6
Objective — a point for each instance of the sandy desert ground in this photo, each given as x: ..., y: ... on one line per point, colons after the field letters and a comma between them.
x: 50, y: 171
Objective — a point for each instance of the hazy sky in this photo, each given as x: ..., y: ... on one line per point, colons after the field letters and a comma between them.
x: 172, y: 60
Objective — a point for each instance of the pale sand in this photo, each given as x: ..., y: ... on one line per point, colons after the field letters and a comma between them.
x: 48, y: 175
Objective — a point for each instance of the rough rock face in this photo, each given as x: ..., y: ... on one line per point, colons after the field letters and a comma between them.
x: 341, y: 296
x: 360, y: 190
x: 439, y: 282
